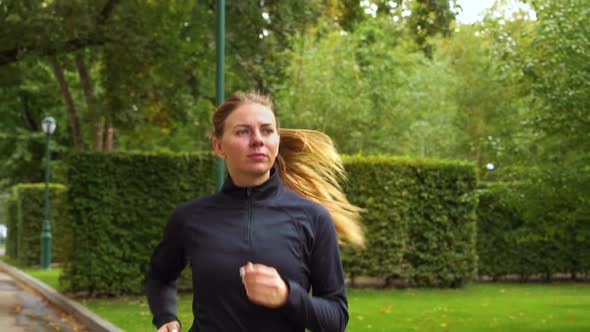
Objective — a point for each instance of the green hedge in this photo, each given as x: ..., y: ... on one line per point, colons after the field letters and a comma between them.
x: 12, y: 228
x: 121, y: 203
x: 420, y: 217
x: 509, y: 244
x: 29, y: 202
x: 420, y: 220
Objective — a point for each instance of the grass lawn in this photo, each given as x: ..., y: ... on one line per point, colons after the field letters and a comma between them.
x: 477, y: 307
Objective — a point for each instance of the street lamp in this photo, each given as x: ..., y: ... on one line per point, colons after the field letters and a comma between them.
x: 48, y: 128
x: 219, y: 81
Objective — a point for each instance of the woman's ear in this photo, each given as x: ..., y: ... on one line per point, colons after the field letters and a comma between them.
x: 218, y: 148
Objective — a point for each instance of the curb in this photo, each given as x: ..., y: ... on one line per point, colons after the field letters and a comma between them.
x: 89, y: 319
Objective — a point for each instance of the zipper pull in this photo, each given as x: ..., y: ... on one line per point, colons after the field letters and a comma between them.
x: 248, y: 192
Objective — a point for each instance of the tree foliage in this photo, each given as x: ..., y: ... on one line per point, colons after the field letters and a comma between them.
x: 558, y: 68
x: 396, y: 77
x: 131, y: 75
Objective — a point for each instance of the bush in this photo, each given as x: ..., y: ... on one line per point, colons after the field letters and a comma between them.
x: 12, y: 228
x: 30, y: 213
x: 419, y: 217
x: 528, y: 247
x: 420, y: 220
x: 121, y: 203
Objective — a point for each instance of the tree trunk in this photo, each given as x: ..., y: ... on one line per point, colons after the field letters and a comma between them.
x: 98, y: 136
x: 108, y: 141
x: 74, y: 118
x: 94, y: 117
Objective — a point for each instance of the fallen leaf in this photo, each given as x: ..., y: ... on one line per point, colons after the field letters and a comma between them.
x: 386, y: 310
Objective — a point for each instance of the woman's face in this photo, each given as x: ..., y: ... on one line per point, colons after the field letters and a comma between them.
x: 249, y: 144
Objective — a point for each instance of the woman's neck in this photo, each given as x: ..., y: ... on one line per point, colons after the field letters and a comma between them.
x: 249, y: 181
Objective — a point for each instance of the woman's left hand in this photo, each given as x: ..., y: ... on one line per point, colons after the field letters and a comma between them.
x: 264, y: 285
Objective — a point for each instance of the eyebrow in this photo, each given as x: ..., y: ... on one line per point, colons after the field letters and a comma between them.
x: 248, y: 126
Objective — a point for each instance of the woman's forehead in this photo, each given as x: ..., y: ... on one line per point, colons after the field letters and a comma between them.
x: 251, y: 114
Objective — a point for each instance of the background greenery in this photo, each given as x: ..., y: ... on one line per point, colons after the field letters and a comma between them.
x: 408, y: 240
x: 26, y: 219
x: 482, y: 307
x: 485, y: 307
x: 118, y: 214
x: 509, y: 93
x: 527, y: 248
x: 400, y: 77
x: 419, y: 218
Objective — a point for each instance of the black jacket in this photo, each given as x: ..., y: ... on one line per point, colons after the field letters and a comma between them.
x: 269, y: 225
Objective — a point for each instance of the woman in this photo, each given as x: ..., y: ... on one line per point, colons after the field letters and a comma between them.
x: 259, y: 245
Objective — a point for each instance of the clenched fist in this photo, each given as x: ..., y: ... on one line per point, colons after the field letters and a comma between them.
x: 173, y: 326
x: 264, y: 285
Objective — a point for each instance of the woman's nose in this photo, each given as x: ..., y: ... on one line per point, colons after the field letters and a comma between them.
x: 256, y: 139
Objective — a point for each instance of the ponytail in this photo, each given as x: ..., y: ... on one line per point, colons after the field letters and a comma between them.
x: 310, y: 166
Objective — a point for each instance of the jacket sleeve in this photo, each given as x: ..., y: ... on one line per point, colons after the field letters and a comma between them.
x: 326, y: 310
x: 166, y: 263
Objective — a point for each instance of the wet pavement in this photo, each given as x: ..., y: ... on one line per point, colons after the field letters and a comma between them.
x: 22, y: 310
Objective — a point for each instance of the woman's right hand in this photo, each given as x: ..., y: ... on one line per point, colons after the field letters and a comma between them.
x: 173, y: 326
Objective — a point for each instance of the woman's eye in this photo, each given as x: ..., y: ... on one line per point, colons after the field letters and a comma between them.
x: 242, y: 132
x: 268, y: 131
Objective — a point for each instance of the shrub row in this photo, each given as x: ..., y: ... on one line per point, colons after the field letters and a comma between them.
x: 509, y: 244
x: 12, y: 227
x: 420, y: 220
x: 25, y: 220
x: 120, y: 204
x: 419, y: 217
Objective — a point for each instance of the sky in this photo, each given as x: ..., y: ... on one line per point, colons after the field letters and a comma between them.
x: 472, y: 10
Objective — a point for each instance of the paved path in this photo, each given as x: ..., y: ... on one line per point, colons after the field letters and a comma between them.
x: 23, y: 311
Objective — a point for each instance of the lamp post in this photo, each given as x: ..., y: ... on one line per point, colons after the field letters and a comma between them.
x: 219, y: 82
x: 48, y: 128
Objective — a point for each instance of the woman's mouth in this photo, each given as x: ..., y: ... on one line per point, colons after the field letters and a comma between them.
x: 257, y: 156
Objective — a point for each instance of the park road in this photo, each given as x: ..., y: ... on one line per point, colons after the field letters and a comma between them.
x: 21, y: 310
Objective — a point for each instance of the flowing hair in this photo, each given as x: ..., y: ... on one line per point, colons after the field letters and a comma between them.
x: 308, y: 164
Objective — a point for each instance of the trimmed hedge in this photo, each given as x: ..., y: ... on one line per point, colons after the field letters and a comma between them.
x: 121, y: 203
x: 508, y: 244
x: 420, y: 220
x: 29, y: 206
x: 420, y: 217
x: 12, y: 228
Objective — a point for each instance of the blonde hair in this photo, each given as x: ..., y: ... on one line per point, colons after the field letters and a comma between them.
x: 308, y: 164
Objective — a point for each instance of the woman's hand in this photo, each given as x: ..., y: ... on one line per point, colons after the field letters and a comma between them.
x: 173, y: 326
x: 264, y: 285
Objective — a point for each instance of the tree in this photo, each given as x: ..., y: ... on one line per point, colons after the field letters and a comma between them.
x: 140, y: 75
x: 22, y: 145
x: 343, y: 84
x: 429, y: 18
x: 557, y: 64
x: 546, y: 63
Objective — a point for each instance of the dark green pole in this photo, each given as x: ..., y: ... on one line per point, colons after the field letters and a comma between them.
x: 220, y: 43
x: 46, y: 230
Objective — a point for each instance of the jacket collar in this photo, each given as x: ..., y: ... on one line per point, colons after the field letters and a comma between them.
x: 268, y: 189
